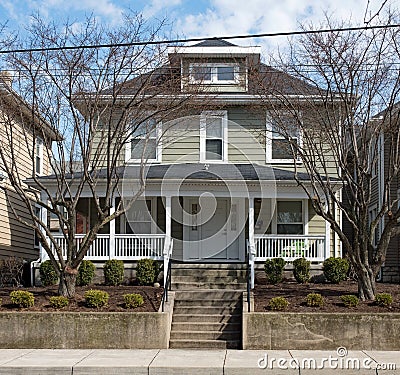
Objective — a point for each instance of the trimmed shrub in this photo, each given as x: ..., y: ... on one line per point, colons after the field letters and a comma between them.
x: 85, y: 273
x: 314, y: 300
x: 350, y: 300
x: 48, y: 274
x: 301, y: 270
x: 58, y: 302
x: 384, y: 299
x: 96, y: 298
x: 335, y: 269
x: 22, y: 298
x: 278, y: 304
x: 113, y: 272
x: 147, y: 271
x: 133, y: 300
x: 274, y: 270
x: 11, y: 270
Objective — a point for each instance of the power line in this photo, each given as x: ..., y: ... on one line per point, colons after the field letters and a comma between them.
x: 174, y: 41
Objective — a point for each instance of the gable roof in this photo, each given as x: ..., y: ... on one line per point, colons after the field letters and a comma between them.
x: 214, y: 43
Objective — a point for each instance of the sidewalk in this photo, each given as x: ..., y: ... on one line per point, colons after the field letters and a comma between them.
x: 199, y: 362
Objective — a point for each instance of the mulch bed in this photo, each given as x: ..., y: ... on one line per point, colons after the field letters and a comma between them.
x: 151, y: 295
x: 296, y: 293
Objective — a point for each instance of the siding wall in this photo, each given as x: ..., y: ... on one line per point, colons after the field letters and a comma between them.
x: 16, y: 239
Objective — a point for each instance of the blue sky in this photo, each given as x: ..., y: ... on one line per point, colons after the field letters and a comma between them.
x: 196, y: 18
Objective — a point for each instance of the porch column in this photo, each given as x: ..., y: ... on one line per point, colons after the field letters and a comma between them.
x: 166, y: 254
x: 112, y: 232
x: 252, y: 247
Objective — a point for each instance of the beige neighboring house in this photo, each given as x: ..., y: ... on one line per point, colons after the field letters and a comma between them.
x: 28, y: 146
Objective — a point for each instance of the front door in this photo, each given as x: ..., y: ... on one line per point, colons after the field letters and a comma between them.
x: 210, y: 234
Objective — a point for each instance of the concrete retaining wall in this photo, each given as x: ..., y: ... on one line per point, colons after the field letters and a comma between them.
x: 84, y: 330
x: 323, y: 331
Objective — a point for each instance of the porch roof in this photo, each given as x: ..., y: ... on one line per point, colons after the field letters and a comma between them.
x: 198, y: 171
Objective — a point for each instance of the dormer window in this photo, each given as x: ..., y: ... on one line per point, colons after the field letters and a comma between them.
x: 214, y: 73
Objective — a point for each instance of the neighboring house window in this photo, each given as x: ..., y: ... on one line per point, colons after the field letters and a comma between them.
x: 213, y: 136
x: 39, y: 156
x: 139, y: 217
x: 290, y: 217
x: 38, y: 213
x: 280, y: 127
x: 145, y: 143
x: 214, y: 73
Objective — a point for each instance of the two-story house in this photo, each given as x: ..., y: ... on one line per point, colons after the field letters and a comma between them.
x: 220, y: 183
x: 25, y: 154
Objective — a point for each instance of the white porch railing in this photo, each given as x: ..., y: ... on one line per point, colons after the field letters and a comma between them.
x: 290, y: 247
x: 127, y: 246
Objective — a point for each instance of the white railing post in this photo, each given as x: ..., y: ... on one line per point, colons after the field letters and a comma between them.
x: 111, y: 243
x: 252, y: 246
x: 166, y: 251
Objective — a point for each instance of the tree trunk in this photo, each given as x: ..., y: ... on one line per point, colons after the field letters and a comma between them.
x: 67, y: 283
x: 366, y: 284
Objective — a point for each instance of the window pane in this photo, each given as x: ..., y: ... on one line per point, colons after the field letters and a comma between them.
x: 290, y: 228
x: 137, y: 149
x: 213, y: 127
x: 214, y: 149
x: 281, y: 149
x: 144, y: 129
x: 285, y: 126
x: 201, y: 73
x: 289, y: 212
x: 225, y: 73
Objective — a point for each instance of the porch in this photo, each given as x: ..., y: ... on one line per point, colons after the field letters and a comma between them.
x: 204, y: 218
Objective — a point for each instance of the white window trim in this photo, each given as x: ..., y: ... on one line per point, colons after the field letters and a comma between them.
x: 214, y: 76
x: 158, y: 159
x: 203, y: 135
x: 39, y: 142
x: 268, y: 143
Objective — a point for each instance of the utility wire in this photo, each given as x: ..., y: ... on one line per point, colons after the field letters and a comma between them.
x: 174, y: 41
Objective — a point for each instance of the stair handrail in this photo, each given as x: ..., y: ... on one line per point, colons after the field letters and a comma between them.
x: 167, y: 274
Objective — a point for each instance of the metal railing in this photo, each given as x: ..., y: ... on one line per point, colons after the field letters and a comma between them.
x: 167, y: 273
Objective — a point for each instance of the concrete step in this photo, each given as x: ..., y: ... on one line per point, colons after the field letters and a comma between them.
x: 204, y: 344
x: 206, y: 285
x: 220, y: 266
x: 207, y: 302
x: 208, y: 279
x: 206, y: 335
x: 207, y: 310
x: 210, y: 318
x: 208, y: 272
x: 224, y: 294
x: 199, y: 326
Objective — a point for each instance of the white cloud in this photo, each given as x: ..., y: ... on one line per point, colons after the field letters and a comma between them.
x: 235, y: 17
x: 156, y: 6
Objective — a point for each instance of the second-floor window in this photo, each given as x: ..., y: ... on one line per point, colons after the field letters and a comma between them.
x: 213, y: 136
x: 282, y: 132
x: 145, y: 142
x: 214, y: 73
x: 39, y: 156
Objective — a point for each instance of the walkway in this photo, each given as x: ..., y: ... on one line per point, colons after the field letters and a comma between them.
x: 199, y: 362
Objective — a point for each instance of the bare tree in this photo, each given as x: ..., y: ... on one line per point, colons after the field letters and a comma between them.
x: 343, y: 79
x: 94, y: 100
